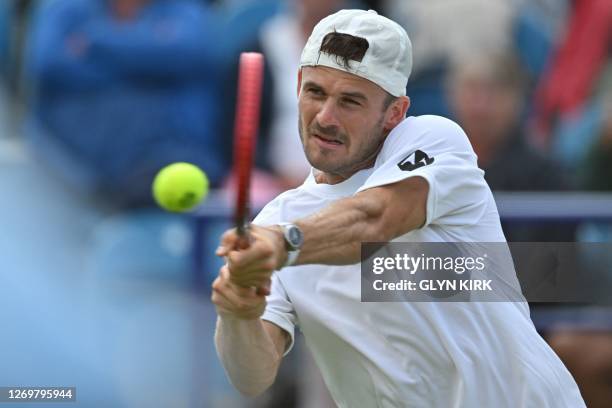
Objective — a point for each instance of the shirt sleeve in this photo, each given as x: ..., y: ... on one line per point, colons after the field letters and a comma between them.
x: 280, y: 311
x: 437, y: 150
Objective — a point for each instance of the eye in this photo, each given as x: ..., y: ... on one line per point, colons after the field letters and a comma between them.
x: 315, y: 91
x: 351, y: 102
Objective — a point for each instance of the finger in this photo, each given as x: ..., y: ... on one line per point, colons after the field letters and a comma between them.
x: 254, y: 279
x: 224, y: 306
x: 243, y: 306
x: 258, y: 256
x: 241, y: 290
x: 218, y: 296
x: 224, y: 272
x: 244, y: 289
x: 219, y: 300
x: 227, y: 243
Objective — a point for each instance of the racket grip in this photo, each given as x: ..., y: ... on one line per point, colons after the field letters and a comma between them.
x: 244, y: 238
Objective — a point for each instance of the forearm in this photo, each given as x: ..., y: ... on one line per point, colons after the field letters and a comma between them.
x: 248, y: 354
x: 334, y: 235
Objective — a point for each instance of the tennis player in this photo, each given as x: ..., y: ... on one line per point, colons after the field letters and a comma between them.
x: 377, y: 176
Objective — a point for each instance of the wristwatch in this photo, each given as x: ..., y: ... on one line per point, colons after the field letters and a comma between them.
x: 294, y: 239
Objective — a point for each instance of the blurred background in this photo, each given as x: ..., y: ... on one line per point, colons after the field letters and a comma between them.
x: 101, y: 290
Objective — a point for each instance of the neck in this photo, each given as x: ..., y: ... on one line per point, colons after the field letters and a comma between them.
x: 329, y: 178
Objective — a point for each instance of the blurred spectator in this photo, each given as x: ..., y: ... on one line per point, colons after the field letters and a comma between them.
x: 440, y: 30
x: 14, y: 21
x: 487, y: 95
x: 577, y: 64
x: 5, y: 39
x: 536, y: 30
x: 123, y: 87
x: 597, y: 167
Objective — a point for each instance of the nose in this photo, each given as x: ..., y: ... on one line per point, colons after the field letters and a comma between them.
x: 328, y: 115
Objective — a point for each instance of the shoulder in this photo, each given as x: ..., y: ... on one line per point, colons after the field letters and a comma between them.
x: 431, y: 130
x: 429, y: 133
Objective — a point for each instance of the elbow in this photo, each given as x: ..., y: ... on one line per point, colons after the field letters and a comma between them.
x: 377, y: 229
x: 390, y: 219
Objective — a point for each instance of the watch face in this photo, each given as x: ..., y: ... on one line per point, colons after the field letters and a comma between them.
x: 295, y: 237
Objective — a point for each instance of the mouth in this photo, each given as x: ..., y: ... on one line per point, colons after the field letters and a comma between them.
x: 327, y: 142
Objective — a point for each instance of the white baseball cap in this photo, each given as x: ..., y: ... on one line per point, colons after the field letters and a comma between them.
x: 388, y: 59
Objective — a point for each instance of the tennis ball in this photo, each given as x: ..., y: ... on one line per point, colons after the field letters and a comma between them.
x: 180, y: 186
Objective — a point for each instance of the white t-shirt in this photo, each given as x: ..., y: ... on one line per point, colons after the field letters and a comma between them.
x: 427, y: 354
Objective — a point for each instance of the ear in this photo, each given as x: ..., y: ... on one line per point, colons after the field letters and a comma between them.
x: 299, y: 84
x: 396, y: 112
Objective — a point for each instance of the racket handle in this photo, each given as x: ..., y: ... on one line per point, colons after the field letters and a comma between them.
x: 244, y: 238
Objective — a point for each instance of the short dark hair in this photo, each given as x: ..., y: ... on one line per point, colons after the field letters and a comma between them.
x: 346, y: 47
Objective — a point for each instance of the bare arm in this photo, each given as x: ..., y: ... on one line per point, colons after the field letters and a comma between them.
x: 332, y: 236
x: 250, y: 349
x: 251, y: 352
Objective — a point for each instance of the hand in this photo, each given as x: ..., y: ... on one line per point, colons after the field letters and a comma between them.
x: 253, y: 266
x: 235, y: 301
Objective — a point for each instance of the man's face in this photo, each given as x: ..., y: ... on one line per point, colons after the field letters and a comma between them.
x: 341, y: 120
x: 485, y: 108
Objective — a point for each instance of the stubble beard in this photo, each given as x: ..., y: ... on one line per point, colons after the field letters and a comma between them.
x: 346, y: 167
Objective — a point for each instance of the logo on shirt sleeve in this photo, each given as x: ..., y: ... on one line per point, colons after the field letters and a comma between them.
x: 415, y: 160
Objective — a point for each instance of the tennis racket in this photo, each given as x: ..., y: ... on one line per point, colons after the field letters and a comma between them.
x: 250, y: 81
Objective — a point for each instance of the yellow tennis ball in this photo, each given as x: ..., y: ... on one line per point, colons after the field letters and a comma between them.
x: 179, y: 187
